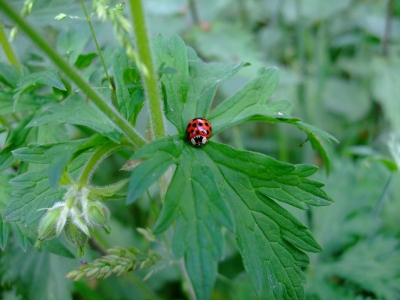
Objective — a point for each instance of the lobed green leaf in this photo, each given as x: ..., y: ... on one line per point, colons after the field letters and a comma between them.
x: 219, y: 185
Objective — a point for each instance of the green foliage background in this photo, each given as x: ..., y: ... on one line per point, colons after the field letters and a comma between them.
x: 338, y: 64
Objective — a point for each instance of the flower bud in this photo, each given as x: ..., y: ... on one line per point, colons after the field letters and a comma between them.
x: 47, y: 225
x: 99, y: 215
x: 75, y: 236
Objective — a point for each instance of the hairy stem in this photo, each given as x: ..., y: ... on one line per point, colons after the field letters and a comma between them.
x: 8, y: 50
x: 126, y: 128
x: 91, y: 166
x: 149, y: 75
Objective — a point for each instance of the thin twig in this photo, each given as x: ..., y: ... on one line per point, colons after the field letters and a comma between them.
x: 194, y: 12
x: 100, y: 53
x: 388, y: 25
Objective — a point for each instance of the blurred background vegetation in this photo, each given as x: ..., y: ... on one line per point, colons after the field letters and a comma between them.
x: 339, y: 64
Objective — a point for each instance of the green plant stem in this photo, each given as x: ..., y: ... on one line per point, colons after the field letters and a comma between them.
x: 244, y: 16
x: 101, y: 153
x: 194, y: 12
x: 149, y: 75
x: 99, y: 51
x: 8, y: 50
x: 388, y: 25
x: 130, y: 133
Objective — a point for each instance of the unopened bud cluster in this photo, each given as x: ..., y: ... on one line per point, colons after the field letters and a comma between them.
x: 118, y: 261
x: 76, y: 214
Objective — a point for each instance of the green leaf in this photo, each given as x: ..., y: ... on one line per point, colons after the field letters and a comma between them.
x: 188, y: 92
x: 21, y: 238
x: 37, y: 275
x: 33, y: 80
x: 84, y: 60
x: 318, y: 138
x: 72, y: 42
x: 270, y: 239
x: 26, y: 102
x: 248, y: 104
x: 121, y: 62
x: 15, y: 139
x: 46, y: 154
x: 76, y: 111
x: 57, y: 155
x: 9, y: 75
x: 31, y: 193
x: 385, y: 88
x: 372, y: 264
x: 4, y: 234
x: 159, y: 157
x: 57, y: 247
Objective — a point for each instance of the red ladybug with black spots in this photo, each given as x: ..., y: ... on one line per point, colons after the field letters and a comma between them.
x: 198, y: 131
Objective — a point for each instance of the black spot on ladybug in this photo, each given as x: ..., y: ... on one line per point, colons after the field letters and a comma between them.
x: 194, y: 125
x: 197, y: 132
x: 207, y: 124
x: 192, y: 131
x: 200, y: 124
x: 207, y: 132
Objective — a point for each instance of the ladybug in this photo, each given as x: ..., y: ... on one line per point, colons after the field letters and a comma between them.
x: 198, y: 131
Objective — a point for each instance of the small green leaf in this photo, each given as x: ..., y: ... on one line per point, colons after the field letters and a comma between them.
x: 76, y: 111
x: 15, y: 139
x: 9, y: 75
x: 121, y: 62
x: 4, y: 234
x: 33, y: 80
x: 84, y: 60
x: 317, y: 138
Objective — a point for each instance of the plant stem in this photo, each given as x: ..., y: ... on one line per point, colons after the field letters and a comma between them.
x: 96, y: 159
x: 194, y: 12
x: 388, y: 25
x: 244, y: 16
x: 99, y: 51
x: 8, y: 50
x: 149, y: 75
x: 130, y: 133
